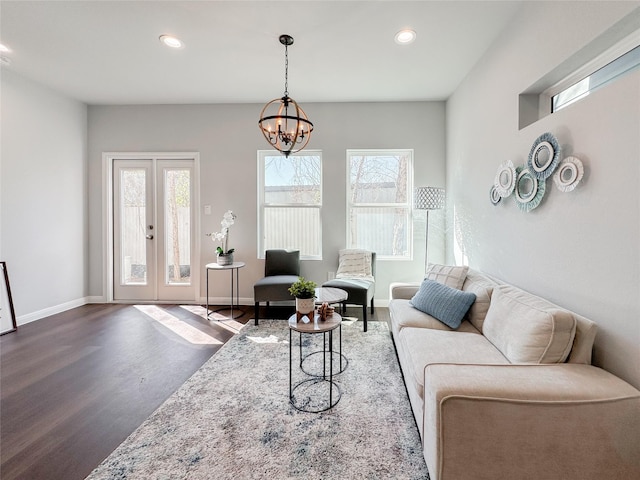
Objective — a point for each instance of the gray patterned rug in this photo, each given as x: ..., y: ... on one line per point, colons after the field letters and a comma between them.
x: 232, y: 419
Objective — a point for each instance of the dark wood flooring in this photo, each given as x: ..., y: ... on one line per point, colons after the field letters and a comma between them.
x: 73, y: 386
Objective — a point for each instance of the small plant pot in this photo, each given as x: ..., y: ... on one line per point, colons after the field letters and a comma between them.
x: 305, y: 306
x: 225, y: 259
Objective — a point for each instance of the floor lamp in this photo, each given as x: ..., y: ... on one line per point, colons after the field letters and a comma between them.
x: 428, y: 198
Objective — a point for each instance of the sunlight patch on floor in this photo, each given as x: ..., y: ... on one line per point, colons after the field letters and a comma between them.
x: 225, y: 322
x: 269, y: 339
x: 177, y: 326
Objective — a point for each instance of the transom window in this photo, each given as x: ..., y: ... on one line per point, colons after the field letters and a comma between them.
x: 378, y: 201
x: 626, y: 63
x: 290, y: 196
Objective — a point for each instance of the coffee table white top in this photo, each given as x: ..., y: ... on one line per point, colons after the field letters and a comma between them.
x: 317, y: 326
x: 330, y: 295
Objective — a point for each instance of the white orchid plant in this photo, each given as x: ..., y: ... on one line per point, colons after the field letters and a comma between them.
x: 223, y: 235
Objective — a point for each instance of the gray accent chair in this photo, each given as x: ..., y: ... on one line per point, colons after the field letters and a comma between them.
x: 360, y: 291
x: 281, y: 269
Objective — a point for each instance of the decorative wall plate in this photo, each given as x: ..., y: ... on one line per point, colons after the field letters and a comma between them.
x: 529, y: 190
x: 544, y: 156
x: 505, y: 180
x: 569, y: 174
x: 494, y: 196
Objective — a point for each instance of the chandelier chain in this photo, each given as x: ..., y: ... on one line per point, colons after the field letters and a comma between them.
x: 286, y: 71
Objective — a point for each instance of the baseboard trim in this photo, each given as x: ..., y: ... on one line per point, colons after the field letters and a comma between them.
x: 96, y: 299
x: 46, y: 312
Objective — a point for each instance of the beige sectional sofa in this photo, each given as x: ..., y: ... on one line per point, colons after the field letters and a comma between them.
x: 511, y: 393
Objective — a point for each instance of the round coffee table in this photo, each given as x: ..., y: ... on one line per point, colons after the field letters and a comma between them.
x: 305, y: 403
x: 330, y: 295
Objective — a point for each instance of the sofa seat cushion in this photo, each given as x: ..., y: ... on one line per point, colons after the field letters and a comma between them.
x: 273, y: 288
x: 420, y: 347
x: 528, y: 329
x: 402, y: 314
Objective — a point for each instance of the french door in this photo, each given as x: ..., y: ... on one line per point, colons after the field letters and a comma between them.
x: 154, y: 248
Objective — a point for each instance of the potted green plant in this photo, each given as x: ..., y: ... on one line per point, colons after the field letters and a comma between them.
x: 305, y: 293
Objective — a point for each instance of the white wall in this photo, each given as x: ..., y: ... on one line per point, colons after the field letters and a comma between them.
x: 228, y: 138
x: 578, y: 249
x: 42, y: 197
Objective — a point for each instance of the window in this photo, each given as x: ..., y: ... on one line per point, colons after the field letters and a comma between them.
x: 378, y: 194
x: 621, y: 65
x: 608, y: 57
x: 290, y: 196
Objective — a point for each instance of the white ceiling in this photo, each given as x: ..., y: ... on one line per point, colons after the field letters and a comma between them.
x: 108, y: 52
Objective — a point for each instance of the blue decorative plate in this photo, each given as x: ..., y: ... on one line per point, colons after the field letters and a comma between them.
x: 529, y: 189
x: 544, y: 156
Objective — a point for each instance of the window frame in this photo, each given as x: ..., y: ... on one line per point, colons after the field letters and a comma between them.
x: 263, y: 205
x: 610, y: 59
x: 408, y: 256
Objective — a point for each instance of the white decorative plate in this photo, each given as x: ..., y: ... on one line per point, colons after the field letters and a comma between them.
x: 569, y: 174
x: 505, y: 180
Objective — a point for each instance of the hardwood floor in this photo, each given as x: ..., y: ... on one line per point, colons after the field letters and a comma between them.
x: 73, y: 386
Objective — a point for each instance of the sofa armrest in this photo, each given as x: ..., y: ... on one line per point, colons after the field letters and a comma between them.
x: 403, y: 290
x: 530, y: 422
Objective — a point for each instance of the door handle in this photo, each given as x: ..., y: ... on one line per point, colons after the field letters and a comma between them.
x: 150, y: 237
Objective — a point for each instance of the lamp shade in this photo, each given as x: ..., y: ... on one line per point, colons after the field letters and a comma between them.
x: 428, y: 198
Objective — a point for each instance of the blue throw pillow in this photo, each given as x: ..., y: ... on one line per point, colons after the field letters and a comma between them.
x: 449, y: 305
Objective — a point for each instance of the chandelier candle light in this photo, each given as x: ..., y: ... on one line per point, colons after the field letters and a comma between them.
x: 428, y: 198
x: 282, y: 122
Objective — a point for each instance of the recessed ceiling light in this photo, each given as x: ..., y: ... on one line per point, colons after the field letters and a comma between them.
x: 171, y: 41
x: 4, y: 48
x: 406, y: 36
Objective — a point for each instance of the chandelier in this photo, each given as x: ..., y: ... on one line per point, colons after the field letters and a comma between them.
x: 282, y: 122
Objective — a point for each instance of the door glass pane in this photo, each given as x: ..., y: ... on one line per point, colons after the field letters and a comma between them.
x: 177, y: 207
x: 133, y: 256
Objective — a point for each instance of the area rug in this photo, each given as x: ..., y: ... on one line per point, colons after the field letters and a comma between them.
x: 232, y: 419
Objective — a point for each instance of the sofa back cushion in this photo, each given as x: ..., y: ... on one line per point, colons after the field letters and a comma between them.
x: 449, y: 275
x: 528, y: 329
x: 482, y: 287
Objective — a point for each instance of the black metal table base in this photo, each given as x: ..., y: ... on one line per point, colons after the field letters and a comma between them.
x: 234, y: 307
x: 305, y: 403
x: 344, y: 361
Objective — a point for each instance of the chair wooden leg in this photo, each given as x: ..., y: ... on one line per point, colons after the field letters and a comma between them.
x: 256, y: 310
x: 372, y: 306
x: 364, y: 316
